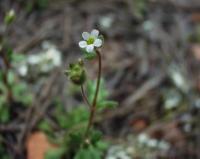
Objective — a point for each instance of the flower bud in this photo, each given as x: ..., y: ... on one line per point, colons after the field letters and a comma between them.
x: 76, y: 72
x: 10, y: 17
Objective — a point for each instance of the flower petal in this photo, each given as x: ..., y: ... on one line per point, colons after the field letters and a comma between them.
x: 98, y: 42
x: 95, y: 33
x: 82, y: 44
x: 90, y: 48
x: 85, y: 35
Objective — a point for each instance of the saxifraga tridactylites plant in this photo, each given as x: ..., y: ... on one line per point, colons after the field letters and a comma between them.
x: 76, y: 73
x: 6, y: 53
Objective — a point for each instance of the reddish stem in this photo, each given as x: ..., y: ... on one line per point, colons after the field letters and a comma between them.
x: 93, y: 108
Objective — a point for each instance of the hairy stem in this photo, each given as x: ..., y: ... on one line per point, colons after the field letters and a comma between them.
x: 93, y: 108
x: 85, y: 97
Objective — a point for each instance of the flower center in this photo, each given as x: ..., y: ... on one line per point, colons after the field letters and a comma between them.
x: 90, y: 41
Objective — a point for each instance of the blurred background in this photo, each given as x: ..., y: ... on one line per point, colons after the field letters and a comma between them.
x: 151, y: 67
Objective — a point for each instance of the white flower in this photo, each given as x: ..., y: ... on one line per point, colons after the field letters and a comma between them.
x: 143, y: 138
x: 91, y: 40
x: 23, y: 70
x: 11, y: 13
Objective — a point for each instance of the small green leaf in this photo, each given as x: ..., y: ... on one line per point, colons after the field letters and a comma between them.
x: 21, y: 93
x: 107, y: 104
x: 74, y: 139
x: 82, y: 154
x: 95, y: 136
x: 1, y: 75
x: 2, y: 100
x: 102, y: 145
x: 4, y: 113
x: 76, y: 116
x: 11, y: 77
x: 16, y: 57
x: 3, y: 89
x: 103, y: 93
x: 89, y: 153
x: 44, y: 126
x: 55, y: 153
x: 9, y: 53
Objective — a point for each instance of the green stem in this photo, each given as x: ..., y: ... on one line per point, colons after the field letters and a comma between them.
x: 5, y: 78
x: 93, y: 108
x: 7, y: 66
